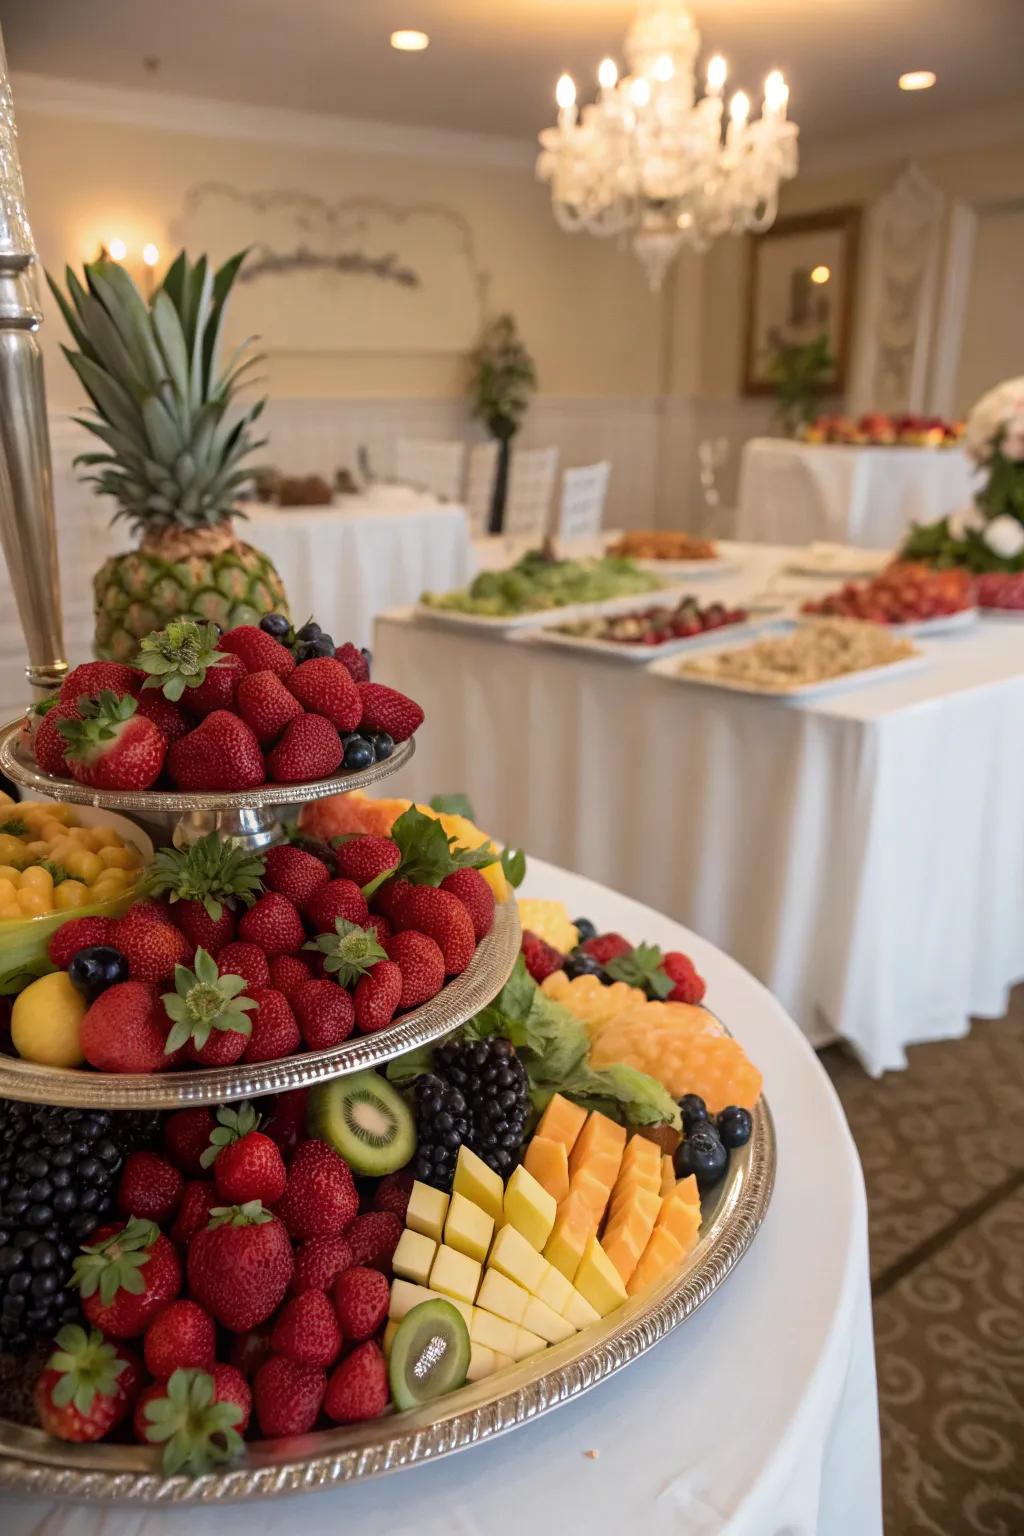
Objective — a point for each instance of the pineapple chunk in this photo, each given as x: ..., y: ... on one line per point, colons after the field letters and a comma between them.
x: 481, y: 1362
x: 550, y: 921
x: 468, y: 1229
x: 598, y: 1281
x: 529, y: 1207
x: 513, y: 1256
x: 544, y: 1320
x: 455, y: 1275
x: 502, y: 1361
x: 493, y: 1332
x: 527, y: 1343
x: 414, y: 1256
x: 427, y: 1209
x: 405, y: 1296
x: 500, y: 1295
x: 479, y: 1184
x: 578, y: 1311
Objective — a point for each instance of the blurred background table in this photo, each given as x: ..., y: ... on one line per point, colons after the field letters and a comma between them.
x: 794, y: 493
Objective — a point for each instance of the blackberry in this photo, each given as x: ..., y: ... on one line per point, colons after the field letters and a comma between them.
x: 58, y: 1179
x: 492, y: 1080
x: 442, y: 1125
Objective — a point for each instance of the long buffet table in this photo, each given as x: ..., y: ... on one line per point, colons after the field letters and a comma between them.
x: 862, y: 853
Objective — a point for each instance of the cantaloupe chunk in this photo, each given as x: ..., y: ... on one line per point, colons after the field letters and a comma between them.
x: 628, y: 1232
x: 548, y: 1161
x: 642, y: 1156
x: 591, y: 1189
x: 687, y: 1190
x: 659, y: 1258
x: 682, y: 1220
x: 574, y: 1224
x: 668, y: 1175
x: 599, y: 1138
x: 645, y: 1202
x: 562, y: 1121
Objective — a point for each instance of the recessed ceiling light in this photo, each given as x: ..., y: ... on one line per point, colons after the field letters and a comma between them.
x: 820, y: 274
x: 917, y: 80
x: 408, y: 41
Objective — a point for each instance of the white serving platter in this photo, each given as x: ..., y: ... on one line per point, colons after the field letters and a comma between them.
x: 674, y: 570
x: 668, y: 668
x: 946, y: 623
x: 841, y: 560
x: 1013, y: 614
x: 619, y: 650
x: 539, y: 617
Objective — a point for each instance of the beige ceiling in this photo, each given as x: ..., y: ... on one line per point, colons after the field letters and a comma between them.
x: 492, y: 64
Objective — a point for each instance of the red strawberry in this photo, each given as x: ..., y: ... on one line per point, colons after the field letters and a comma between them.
x: 690, y: 986
x: 373, y: 1238
x: 141, y: 916
x: 95, y: 677
x: 182, y: 1337
x: 49, y: 745
x: 246, y: 1164
x: 389, y: 898
x: 325, y: 1014
x: 246, y: 960
x: 385, y: 709
x: 379, y: 925
x: 200, y: 929
x: 607, y: 946
x: 361, y: 1299
x: 110, y: 1268
x: 274, y: 1029
x: 274, y: 924
x: 152, y: 951
x: 197, y: 1201
x: 125, y: 1029
x: 78, y: 933
x: 325, y: 687
x: 288, y: 1396
x: 265, y: 705
x: 258, y: 651
x: 354, y: 660
x: 240, y: 1265
x: 320, y: 1199
x: 307, y: 1329
x: 287, y: 973
x: 338, y: 898
x: 218, y: 690
x: 249, y: 1350
x: 293, y: 873
x: 150, y: 1188
x: 542, y: 959
x: 392, y: 1193
x: 363, y: 858
x: 198, y: 1416
x: 421, y: 963
x: 444, y: 918
x: 319, y: 1262
x: 220, y: 754
x: 112, y: 746
x: 221, y: 1048
x: 476, y: 896
x: 186, y: 1138
x: 358, y: 1387
x: 167, y: 717
x: 286, y: 1126
x: 377, y: 996
x: 309, y: 749
x: 87, y: 1386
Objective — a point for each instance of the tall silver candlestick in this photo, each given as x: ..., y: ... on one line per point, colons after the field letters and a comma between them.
x: 27, y: 525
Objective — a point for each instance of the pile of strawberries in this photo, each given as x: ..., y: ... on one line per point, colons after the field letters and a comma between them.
x: 242, y: 1292
x: 905, y: 592
x: 269, y: 954
x: 211, y: 712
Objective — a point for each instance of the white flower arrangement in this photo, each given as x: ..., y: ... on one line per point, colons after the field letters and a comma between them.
x: 1000, y: 411
x: 1004, y: 536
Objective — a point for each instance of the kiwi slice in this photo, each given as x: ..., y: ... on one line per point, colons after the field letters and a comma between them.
x: 429, y: 1354
x: 365, y: 1120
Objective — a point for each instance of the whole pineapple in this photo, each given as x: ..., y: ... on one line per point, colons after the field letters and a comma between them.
x: 174, y: 437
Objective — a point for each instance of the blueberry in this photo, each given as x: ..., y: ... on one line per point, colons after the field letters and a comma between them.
x: 579, y: 963
x: 703, y: 1155
x: 585, y: 928
x: 694, y: 1111
x: 383, y: 745
x: 734, y: 1126
x: 275, y: 624
x: 96, y: 968
x: 358, y: 754
x: 308, y: 631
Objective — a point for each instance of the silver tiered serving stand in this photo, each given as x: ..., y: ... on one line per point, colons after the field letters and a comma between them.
x: 33, y: 1463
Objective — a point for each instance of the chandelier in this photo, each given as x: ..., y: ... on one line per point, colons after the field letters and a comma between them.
x: 648, y: 156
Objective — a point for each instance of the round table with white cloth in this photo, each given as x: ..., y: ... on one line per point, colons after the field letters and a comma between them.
x: 862, y: 853
x: 758, y: 1417
x: 795, y: 493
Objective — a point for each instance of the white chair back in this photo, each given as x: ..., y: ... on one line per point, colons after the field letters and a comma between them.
x: 482, y: 468
x: 583, y: 496
x: 531, y: 482
x: 431, y: 465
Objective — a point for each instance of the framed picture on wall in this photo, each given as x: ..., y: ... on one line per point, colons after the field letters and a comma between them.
x: 801, y: 279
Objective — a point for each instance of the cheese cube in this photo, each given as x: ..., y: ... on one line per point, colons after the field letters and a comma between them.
x: 500, y: 1295
x: 390, y: 1329
x: 502, y: 1362
x: 513, y: 1256
x: 493, y: 1332
x: 578, y: 1311
x: 426, y: 1211
x: 478, y: 1183
x: 529, y: 1207
x: 527, y: 1343
x: 545, y: 1321
x: 598, y: 1281
x: 405, y: 1296
x: 555, y: 1289
x: 414, y: 1256
x: 481, y: 1362
x: 455, y: 1275
x: 468, y: 1229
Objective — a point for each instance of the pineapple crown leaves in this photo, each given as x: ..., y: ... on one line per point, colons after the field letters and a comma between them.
x: 196, y: 1432
x: 101, y: 720
x: 116, y: 1263
x: 203, y: 1000
x: 213, y: 870
x: 428, y: 853
x: 349, y: 952
x: 642, y: 968
x: 252, y: 1214
x: 179, y: 656
x: 87, y: 1366
x: 232, y: 1125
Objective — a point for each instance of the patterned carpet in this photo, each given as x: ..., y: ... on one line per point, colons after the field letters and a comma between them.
x: 942, y: 1146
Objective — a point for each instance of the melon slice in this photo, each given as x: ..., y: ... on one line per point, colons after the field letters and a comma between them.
x: 574, y: 1225
x: 548, y: 1161
x: 599, y: 1137
x: 562, y: 1121
x: 593, y: 1190
x: 661, y: 1255
x: 668, y: 1175
x: 629, y: 1230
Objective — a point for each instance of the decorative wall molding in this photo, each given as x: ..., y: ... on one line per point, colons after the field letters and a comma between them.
x: 999, y: 124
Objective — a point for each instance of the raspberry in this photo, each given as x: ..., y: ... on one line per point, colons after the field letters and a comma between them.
x: 606, y: 947
x: 690, y: 986
x: 542, y: 960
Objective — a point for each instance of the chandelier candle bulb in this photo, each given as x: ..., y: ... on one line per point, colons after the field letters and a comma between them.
x: 664, y: 68
x: 608, y: 75
x: 640, y: 92
x: 776, y: 95
x: 565, y: 96
x: 739, y: 109
x: 717, y: 71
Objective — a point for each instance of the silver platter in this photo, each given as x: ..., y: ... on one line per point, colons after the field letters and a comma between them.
x: 33, y: 1464
x: 454, y: 1004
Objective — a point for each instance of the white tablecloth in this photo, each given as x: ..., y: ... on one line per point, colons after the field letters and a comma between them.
x: 793, y: 493
x: 863, y: 854
x: 757, y: 1418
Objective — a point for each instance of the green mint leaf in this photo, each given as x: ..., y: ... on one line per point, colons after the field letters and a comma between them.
x: 513, y: 862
